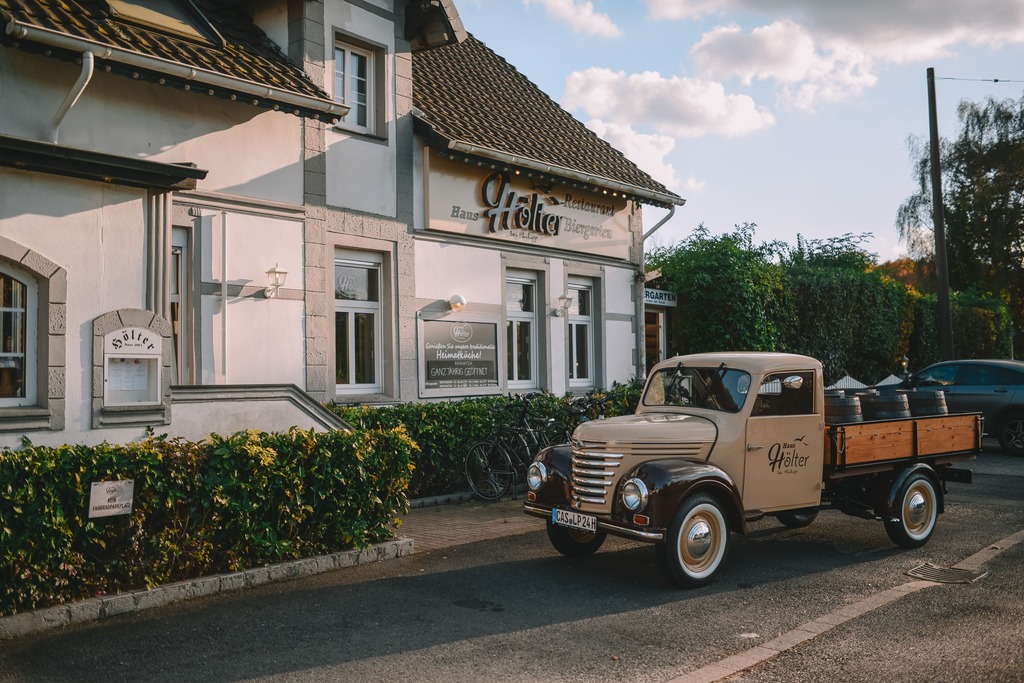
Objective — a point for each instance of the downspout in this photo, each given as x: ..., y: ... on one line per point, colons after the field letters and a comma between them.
x: 642, y: 277
x: 224, y: 293
x: 76, y: 91
x: 642, y: 271
x: 663, y: 221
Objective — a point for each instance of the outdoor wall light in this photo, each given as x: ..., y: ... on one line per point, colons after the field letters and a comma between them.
x: 457, y: 303
x: 564, y: 302
x: 275, y: 278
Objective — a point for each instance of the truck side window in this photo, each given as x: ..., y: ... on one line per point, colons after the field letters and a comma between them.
x: 785, y: 393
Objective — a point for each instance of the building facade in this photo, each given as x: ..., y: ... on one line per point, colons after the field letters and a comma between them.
x: 216, y: 215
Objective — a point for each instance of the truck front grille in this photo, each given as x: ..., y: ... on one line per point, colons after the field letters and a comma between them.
x: 594, y: 472
x: 598, y: 466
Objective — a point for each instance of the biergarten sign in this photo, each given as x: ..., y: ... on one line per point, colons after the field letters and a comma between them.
x: 659, y: 297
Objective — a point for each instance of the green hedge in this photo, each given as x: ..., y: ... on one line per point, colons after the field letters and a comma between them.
x: 444, y: 430
x: 223, y: 504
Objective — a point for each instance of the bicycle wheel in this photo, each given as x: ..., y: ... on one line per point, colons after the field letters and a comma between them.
x: 520, y: 451
x: 489, y: 470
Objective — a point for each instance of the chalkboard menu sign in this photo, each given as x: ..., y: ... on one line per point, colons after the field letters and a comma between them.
x: 459, y: 355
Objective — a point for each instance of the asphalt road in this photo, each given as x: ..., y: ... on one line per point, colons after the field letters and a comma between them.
x: 511, y: 609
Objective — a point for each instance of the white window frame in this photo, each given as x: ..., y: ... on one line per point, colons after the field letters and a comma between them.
x: 577, y: 321
x: 30, y: 314
x: 344, y: 94
x: 514, y: 318
x: 375, y: 262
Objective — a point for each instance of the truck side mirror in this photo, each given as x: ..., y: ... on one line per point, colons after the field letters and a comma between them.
x: 793, y: 382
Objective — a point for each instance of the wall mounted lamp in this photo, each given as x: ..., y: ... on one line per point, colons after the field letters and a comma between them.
x: 457, y: 303
x: 564, y: 302
x: 275, y: 278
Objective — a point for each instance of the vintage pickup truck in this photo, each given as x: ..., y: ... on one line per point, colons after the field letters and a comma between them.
x: 722, y: 439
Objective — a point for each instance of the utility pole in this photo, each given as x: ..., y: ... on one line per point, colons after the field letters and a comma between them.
x: 939, y: 224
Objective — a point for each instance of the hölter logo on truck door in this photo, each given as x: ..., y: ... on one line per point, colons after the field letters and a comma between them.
x: 785, y: 458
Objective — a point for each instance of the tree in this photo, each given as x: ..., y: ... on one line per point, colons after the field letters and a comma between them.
x: 918, y: 274
x: 843, y: 310
x: 983, y: 202
x: 729, y: 291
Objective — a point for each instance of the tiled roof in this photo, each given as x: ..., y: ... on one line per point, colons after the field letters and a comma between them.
x: 471, y: 100
x: 246, y: 57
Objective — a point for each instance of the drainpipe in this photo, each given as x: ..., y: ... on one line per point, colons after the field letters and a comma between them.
x: 76, y: 91
x: 671, y: 212
x: 224, y: 293
x: 663, y: 221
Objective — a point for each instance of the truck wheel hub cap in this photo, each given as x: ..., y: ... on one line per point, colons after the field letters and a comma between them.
x: 698, y: 540
x: 917, y: 509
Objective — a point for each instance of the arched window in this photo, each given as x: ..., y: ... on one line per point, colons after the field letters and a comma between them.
x: 18, y: 340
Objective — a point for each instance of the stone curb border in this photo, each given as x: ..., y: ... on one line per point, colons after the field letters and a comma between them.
x: 94, y: 609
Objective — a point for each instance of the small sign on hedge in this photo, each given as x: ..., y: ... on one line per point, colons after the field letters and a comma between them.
x: 109, y: 498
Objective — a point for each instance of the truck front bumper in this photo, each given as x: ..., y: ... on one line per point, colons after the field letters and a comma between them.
x: 613, y: 528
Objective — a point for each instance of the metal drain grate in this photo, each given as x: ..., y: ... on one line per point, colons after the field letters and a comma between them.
x: 933, y: 572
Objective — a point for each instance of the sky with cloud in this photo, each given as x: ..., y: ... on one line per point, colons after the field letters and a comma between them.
x: 791, y: 114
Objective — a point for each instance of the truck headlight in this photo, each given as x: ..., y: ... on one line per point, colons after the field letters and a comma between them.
x: 536, y: 475
x: 634, y: 494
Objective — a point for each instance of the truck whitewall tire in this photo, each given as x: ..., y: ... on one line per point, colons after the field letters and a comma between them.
x: 918, y: 511
x: 697, y: 542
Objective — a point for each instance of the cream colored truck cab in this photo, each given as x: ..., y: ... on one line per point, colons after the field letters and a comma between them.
x: 717, y: 440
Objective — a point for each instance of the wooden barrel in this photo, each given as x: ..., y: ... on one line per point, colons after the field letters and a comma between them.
x: 842, y: 409
x: 927, y: 403
x: 877, y: 406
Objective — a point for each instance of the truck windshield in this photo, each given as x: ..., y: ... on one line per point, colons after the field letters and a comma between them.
x: 715, y: 388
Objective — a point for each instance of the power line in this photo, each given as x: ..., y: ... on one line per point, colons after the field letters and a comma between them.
x: 979, y: 80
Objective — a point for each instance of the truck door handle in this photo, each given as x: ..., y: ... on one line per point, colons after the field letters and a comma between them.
x: 753, y: 447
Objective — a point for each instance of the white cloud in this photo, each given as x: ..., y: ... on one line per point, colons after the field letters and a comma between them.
x: 579, y: 16
x: 818, y: 51
x: 785, y: 53
x: 682, y: 9
x: 648, y: 152
x: 782, y: 50
x: 685, y: 107
x: 883, y: 30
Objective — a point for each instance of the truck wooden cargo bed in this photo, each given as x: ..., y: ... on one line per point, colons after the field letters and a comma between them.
x: 933, y: 438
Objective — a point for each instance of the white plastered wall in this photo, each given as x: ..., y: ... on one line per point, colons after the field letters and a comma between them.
x: 362, y: 170
x: 96, y: 233
x: 251, y: 339
x: 247, y: 150
x: 619, y: 334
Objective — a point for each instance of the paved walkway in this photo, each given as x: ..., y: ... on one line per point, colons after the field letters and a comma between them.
x: 441, y: 526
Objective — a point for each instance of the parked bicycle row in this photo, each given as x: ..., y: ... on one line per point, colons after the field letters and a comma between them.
x: 520, y: 429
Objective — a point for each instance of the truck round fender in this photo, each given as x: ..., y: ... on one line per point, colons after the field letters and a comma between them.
x: 892, y: 505
x: 672, y: 480
x: 918, y: 502
x: 558, y: 462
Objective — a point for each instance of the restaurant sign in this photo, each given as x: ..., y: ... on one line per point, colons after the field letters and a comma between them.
x: 459, y: 355
x: 498, y: 204
x: 659, y: 297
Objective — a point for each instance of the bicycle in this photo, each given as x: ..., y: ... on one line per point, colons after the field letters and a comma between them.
x: 494, y: 465
x: 590, y: 406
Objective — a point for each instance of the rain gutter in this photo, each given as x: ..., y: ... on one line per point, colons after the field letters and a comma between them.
x: 21, y: 31
x: 553, y: 169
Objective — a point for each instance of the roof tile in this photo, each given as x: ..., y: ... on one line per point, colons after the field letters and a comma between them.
x: 247, y: 53
x: 467, y: 93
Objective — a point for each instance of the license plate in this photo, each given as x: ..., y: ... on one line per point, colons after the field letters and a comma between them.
x: 574, y: 520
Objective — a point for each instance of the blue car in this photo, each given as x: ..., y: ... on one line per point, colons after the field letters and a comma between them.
x: 994, y: 388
